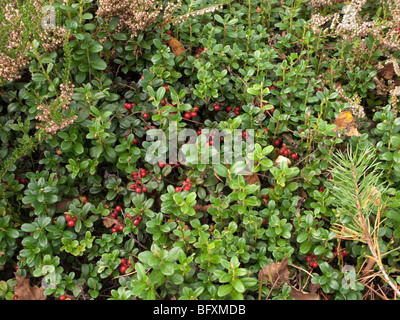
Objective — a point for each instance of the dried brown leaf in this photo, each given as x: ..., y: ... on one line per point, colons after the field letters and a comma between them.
x: 276, y: 272
x: 301, y: 295
x: 345, y: 121
x: 175, y: 46
x: 252, y: 178
x: 387, y: 71
x: 108, y: 221
x: 25, y: 291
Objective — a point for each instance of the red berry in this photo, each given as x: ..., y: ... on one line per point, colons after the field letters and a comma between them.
x: 177, y: 189
x: 294, y: 156
x: 123, y: 261
x: 228, y: 109
x: 132, y: 186
x: 166, y: 87
x: 161, y: 164
x: 258, y: 10
x: 144, y: 189
x: 123, y: 269
x: 187, y: 115
x: 121, y: 227
x: 199, y: 50
x: 136, y: 222
x: 196, y: 109
x: 118, y: 208
x: 145, y: 115
x: 286, y: 152
x: 217, y: 107
x: 138, y: 190
x: 277, y: 142
x: 84, y: 199
x: 193, y: 114
x: 71, y: 223
x: 280, y: 151
x: 67, y: 217
x: 114, y: 214
x: 169, y: 32
x: 127, y: 106
x: 264, y: 222
x: 15, y: 297
x: 114, y: 230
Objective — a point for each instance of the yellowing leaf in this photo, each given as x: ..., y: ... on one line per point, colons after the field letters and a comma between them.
x: 346, y: 122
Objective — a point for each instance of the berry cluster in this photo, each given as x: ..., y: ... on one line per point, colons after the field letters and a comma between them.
x: 128, y: 106
x: 311, y: 260
x: 125, y: 264
x: 135, y: 141
x: 70, y: 220
x: 192, y: 114
x: 218, y: 105
x: 118, y: 226
x: 138, y: 186
x: 340, y: 252
x: 136, y: 219
x: 265, y: 198
x: 284, y: 150
x: 199, y: 51
x: 186, y: 186
x: 65, y: 297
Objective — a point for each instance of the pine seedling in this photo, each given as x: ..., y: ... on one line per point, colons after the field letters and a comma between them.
x: 357, y: 191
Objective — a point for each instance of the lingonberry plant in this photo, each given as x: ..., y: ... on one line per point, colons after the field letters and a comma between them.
x: 195, y: 149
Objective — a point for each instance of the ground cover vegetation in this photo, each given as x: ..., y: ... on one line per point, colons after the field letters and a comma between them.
x: 85, y: 213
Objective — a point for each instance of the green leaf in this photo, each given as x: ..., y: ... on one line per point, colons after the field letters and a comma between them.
x: 224, y: 290
x: 98, y: 64
x: 221, y: 170
x: 238, y: 285
x: 167, y: 268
